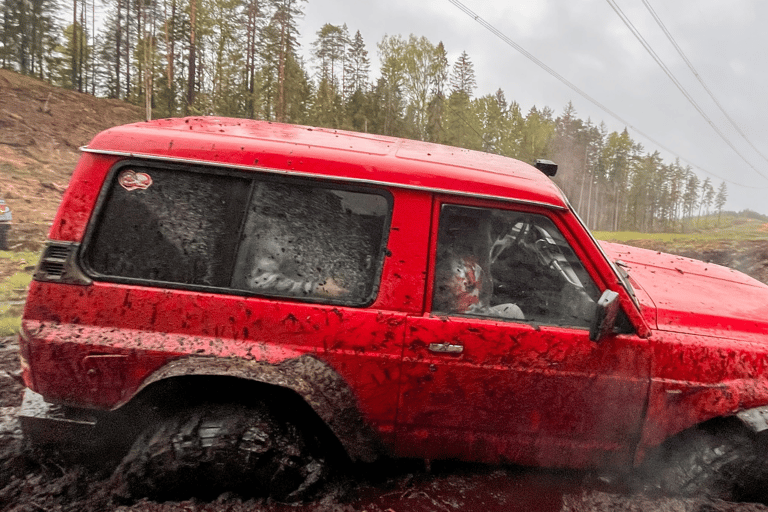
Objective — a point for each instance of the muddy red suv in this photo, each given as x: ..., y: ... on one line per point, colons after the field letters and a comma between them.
x: 238, y: 302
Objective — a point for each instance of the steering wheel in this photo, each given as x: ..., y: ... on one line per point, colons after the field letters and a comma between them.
x: 551, y: 256
x: 509, y: 240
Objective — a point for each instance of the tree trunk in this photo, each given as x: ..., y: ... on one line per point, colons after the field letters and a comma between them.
x: 127, y: 48
x: 169, y: 43
x: 74, y: 43
x: 192, y: 57
x: 118, y: 42
x: 281, y: 72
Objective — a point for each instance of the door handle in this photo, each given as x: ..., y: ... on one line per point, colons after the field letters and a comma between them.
x: 446, y: 348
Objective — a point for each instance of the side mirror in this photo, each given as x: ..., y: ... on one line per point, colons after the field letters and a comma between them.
x: 605, y: 315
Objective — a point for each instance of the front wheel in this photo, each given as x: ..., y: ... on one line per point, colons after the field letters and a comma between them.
x: 211, y: 449
x: 727, y: 463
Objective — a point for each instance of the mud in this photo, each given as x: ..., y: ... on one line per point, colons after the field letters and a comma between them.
x: 33, y: 481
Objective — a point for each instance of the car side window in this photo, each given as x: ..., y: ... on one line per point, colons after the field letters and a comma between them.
x: 252, y: 234
x: 509, y: 265
x: 169, y: 226
x: 308, y: 241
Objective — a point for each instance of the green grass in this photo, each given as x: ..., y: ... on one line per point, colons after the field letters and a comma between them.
x: 10, y: 322
x: 729, y: 227
x: 13, y: 288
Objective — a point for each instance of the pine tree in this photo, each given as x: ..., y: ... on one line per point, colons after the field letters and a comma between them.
x: 707, y: 196
x: 435, y: 130
x: 329, y: 52
x: 28, y: 32
x: 356, y: 67
x: 285, y: 44
x: 720, y: 199
x: 569, y: 151
x: 463, y: 75
x: 253, y: 21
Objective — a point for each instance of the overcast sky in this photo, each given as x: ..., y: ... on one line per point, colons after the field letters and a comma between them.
x: 588, y: 44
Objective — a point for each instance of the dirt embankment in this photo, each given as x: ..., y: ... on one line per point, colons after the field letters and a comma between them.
x: 41, y: 129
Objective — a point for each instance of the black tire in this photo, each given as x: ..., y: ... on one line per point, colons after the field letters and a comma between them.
x: 727, y: 463
x: 211, y: 449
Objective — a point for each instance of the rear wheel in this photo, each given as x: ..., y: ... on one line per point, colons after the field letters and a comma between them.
x: 727, y: 463
x: 211, y: 449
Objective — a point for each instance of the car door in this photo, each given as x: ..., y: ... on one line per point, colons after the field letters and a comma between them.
x: 501, y: 367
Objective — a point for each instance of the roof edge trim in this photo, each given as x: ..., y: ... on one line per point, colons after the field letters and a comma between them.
x: 284, y: 172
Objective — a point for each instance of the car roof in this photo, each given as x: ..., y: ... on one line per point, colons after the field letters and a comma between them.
x: 355, y: 157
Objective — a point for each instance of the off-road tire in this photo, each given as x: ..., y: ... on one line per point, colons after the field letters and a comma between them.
x: 727, y: 463
x: 211, y: 449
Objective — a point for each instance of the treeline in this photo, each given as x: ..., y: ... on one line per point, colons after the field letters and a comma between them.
x: 241, y: 58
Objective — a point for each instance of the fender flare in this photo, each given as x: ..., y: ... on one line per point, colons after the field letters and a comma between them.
x: 317, y: 383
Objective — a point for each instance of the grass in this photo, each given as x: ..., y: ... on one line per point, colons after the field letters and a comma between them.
x: 728, y: 227
x: 17, y: 269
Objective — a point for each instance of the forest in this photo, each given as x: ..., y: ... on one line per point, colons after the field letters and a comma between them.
x: 242, y: 58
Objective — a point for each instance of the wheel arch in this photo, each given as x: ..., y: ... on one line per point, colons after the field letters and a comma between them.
x: 308, y: 379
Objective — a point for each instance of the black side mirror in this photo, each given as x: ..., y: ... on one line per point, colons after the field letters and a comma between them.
x: 548, y: 167
x: 605, y: 315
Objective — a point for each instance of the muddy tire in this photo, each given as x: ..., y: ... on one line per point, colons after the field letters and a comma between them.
x: 212, y: 449
x: 727, y: 463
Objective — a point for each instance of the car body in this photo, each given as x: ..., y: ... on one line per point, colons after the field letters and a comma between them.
x: 311, y: 260
x: 5, y: 224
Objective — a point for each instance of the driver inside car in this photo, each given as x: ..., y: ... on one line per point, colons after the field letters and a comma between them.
x: 463, y: 283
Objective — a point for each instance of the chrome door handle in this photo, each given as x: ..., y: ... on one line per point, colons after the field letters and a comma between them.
x: 446, y: 348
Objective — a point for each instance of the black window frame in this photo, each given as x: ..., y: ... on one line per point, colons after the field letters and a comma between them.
x: 110, y: 182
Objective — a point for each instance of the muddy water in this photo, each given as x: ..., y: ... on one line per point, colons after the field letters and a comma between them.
x: 456, y: 487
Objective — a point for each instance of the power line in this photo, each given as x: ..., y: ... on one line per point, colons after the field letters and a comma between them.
x: 698, y: 77
x: 583, y: 94
x: 677, y: 83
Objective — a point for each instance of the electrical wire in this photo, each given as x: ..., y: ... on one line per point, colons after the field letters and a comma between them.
x: 583, y: 94
x: 698, y: 77
x: 677, y: 83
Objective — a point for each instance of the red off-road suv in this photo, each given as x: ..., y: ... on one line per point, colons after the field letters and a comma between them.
x: 237, y: 302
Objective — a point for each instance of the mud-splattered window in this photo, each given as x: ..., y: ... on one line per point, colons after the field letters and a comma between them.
x: 248, y: 233
x: 308, y: 241
x: 164, y: 225
x: 509, y: 265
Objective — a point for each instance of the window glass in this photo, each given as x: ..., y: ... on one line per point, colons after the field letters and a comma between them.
x: 257, y: 236
x: 304, y: 241
x: 164, y: 225
x: 509, y: 265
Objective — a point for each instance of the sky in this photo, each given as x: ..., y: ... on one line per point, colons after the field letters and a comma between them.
x: 588, y: 44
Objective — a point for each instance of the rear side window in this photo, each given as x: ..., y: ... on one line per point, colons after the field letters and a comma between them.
x: 251, y: 235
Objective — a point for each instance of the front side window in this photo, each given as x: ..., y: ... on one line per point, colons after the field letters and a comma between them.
x: 251, y: 234
x: 509, y: 265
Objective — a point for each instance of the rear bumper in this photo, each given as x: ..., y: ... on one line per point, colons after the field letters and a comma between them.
x: 46, y: 423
